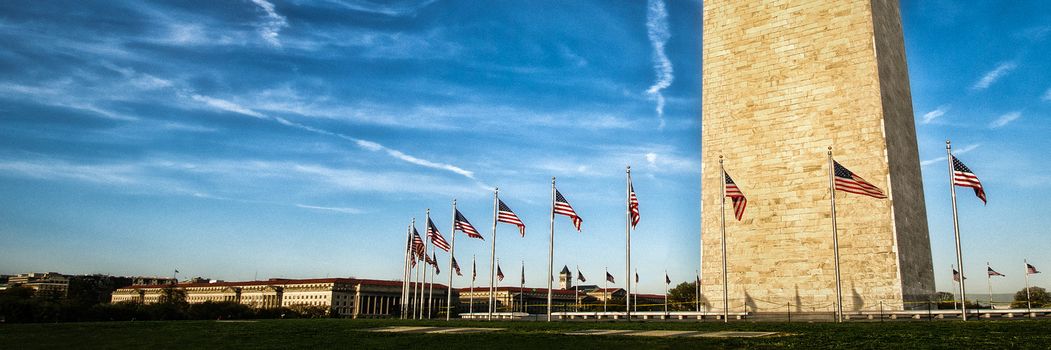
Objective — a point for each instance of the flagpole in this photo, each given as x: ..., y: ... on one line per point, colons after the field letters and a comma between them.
x: 492, y: 253
x: 1028, y: 300
x: 635, y: 304
x: 697, y: 290
x: 452, y: 255
x: 474, y: 273
x: 722, y: 211
x: 576, y: 291
x: 430, y: 287
x: 521, y: 288
x: 835, y: 235
x: 953, y: 267
x: 605, y: 290
x: 426, y: 250
x: 665, y: 293
x: 989, y: 280
x: 627, y: 232
x: 956, y: 232
x: 551, y: 251
x: 405, y: 273
x: 416, y: 281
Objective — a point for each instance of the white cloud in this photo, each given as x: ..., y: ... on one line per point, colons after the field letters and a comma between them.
x: 651, y: 159
x: 388, y: 8
x: 657, y: 28
x: 1005, y: 119
x: 273, y: 23
x: 957, y: 151
x: 932, y: 115
x: 1047, y: 95
x: 225, y: 105
x: 994, y: 75
x: 335, y: 209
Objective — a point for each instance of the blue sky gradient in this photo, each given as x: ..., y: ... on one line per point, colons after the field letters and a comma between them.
x: 245, y: 139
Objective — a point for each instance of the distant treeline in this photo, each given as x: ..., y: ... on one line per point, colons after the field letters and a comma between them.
x: 20, y: 305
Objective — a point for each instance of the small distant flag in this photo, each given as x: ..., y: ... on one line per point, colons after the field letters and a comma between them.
x: 580, y: 276
x: 992, y: 272
x: 474, y: 270
x: 963, y: 176
x: 562, y: 207
x: 437, y: 271
x: 523, y: 273
x: 505, y: 215
x: 456, y: 267
x: 633, y: 205
x: 436, y: 236
x: 847, y: 181
x: 1030, y: 269
x: 499, y: 273
x: 636, y: 277
x: 698, y: 279
x: 736, y: 196
x: 176, y: 271
x: 609, y: 278
x: 465, y: 226
x: 667, y: 280
x: 956, y: 275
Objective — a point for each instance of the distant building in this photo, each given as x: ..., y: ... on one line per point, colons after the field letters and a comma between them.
x: 341, y: 297
x: 515, y: 299
x: 44, y: 284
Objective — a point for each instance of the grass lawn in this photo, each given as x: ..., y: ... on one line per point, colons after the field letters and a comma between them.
x: 333, y: 333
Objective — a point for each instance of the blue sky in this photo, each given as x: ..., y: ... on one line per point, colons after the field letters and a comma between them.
x: 245, y: 139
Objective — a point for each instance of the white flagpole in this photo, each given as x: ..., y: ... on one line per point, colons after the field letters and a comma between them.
x: 430, y: 292
x: 405, y: 272
x: 474, y: 273
x: 426, y: 250
x: 521, y: 289
x: 956, y: 231
x: 576, y: 290
x: 452, y: 255
x: 697, y: 291
x: 665, y: 293
x: 1028, y: 300
x: 635, y: 304
x: 605, y: 289
x: 722, y: 216
x: 492, y: 254
x: 551, y: 251
x: 954, y: 305
x: 989, y: 280
x: 426, y: 306
x: 627, y: 232
x: 415, y: 283
x: 835, y: 234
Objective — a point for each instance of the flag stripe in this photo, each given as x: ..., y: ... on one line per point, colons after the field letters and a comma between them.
x: 465, y: 226
x: 847, y: 181
x: 436, y: 236
x: 963, y: 176
x: 735, y: 195
x: 505, y: 215
x: 562, y: 207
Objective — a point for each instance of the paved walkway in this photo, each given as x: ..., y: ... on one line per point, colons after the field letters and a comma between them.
x: 434, y: 330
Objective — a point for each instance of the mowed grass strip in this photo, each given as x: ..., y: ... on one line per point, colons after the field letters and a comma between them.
x: 354, y: 334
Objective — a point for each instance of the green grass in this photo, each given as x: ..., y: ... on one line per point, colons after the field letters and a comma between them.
x: 331, y: 333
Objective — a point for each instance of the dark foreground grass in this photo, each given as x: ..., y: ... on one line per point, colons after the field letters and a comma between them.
x: 350, y: 334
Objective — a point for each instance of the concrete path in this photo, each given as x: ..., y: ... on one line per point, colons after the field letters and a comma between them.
x: 720, y: 334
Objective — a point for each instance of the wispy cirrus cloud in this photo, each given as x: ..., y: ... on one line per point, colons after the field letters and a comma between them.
x: 657, y: 29
x: 957, y: 151
x: 992, y: 76
x: 334, y: 209
x: 1005, y: 119
x: 935, y: 114
x: 396, y: 8
x: 272, y: 24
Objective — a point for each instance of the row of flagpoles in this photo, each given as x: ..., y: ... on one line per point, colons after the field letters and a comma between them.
x: 840, y: 179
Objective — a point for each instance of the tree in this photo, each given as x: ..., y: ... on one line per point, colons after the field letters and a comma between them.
x: 683, y: 296
x: 1038, y: 296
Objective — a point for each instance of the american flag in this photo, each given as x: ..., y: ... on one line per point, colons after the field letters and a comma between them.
x: 499, y: 273
x: 956, y: 275
x: 465, y: 226
x: 436, y: 236
x: 474, y: 270
x: 963, y: 177
x: 609, y: 277
x: 992, y: 272
x: 1030, y: 269
x: 437, y: 271
x: 667, y: 280
x: 413, y: 260
x: 505, y: 215
x: 736, y: 196
x: 430, y: 261
x: 847, y: 181
x: 633, y: 205
x: 417, y: 245
x: 456, y: 267
x: 562, y: 207
x: 636, y: 277
x: 580, y: 276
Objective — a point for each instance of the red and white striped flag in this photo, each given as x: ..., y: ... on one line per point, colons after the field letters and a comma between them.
x: 956, y: 275
x: 847, y: 181
x: 633, y: 205
x: 609, y: 277
x: 417, y: 245
x: 436, y: 236
x: 735, y: 195
x: 963, y: 176
x: 465, y: 226
x: 992, y: 272
x: 456, y: 267
x: 1030, y: 269
x: 505, y: 215
x: 562, y: 207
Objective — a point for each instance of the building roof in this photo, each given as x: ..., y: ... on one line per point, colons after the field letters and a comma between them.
x: 565, y: 270
x: 286, y: 281
x: 649, y: 296
x: 515, y: 289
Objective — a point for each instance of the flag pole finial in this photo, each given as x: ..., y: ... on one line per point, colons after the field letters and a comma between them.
x: 948, y: 144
